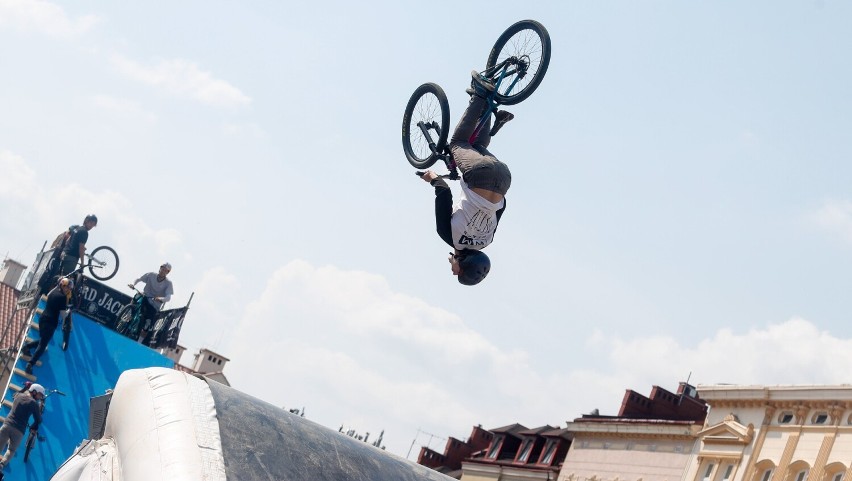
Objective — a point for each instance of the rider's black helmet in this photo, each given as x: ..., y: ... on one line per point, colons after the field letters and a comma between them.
x: 91, y: 218
x: 474, y: 267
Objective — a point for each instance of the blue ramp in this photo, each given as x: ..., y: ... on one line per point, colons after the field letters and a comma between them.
x: 95, y: 358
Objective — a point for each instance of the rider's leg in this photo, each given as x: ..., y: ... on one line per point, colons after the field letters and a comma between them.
x: 4, y: 440
x: 45, y: 332
x: 14, y: 437
x: 69, y: 264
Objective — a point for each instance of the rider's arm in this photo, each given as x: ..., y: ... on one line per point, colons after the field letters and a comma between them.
x: 36, y: 417
x: 168, y: 294
x: 443, y: 209
x: 84, y: 237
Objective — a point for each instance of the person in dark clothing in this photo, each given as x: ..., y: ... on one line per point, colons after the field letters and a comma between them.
x: 57, y: 301
x: 470, y: 224
x: 75, y: 244
x: 26, y: 403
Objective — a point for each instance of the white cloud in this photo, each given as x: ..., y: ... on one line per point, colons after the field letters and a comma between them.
x: 835, y: 216
x: 123, y: 107
x: 36, y: 210
x: 353, y: 351
x: 43, y: 17
x: 183, y: 78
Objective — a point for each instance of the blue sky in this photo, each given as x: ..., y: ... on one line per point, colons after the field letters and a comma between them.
x: 680, y: 200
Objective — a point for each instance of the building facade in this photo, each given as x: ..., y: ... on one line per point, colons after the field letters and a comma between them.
x: 783, y: 433
x: 517, y: 453
x: 651, y: 439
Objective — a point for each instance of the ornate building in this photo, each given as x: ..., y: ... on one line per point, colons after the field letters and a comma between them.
x: 782, y: 433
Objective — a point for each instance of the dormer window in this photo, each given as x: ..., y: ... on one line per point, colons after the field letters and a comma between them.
x: 549, y: 451
x: 494, y: 449
x: 820, y: 418
x: 525, y: 451
x: 785, y: 418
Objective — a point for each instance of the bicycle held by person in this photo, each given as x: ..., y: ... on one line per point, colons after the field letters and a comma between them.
x: 516, y: 66
x: 103, y: 257
x: 102, y: 264
x: 33, y: 436
x: 130, y: 316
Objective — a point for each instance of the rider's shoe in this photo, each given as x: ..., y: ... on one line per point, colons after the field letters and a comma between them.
x: 480, y: 85
x: 26, y: 351
x: 501, y: 117
x: 29, y: 368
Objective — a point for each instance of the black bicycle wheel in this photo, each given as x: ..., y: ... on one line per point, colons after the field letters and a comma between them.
x: 30, y: 445
x: 427, y: 106
x: 525, y: 47
x: 125, y: 315
x: 103, y: 264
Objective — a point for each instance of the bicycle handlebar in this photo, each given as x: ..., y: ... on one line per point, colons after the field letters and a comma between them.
x: 451, y: 175
x: 140, y: 292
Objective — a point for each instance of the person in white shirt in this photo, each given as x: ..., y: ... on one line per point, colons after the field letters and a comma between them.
x: 158, y: 291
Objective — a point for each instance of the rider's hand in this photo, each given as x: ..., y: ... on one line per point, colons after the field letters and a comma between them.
x: 429, y: 176
x: 130, y: 286
x: 158, y: 299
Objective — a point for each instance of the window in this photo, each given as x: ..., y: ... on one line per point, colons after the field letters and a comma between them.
x: 678, y: 448
x: 728, y: 471
x: 766, y: 475
x: 584, y: 444
x: 607, y: 445
x: 494, y: 449
x: 525, y: 451
x: 785, y: 417
x: 802, y: 475
x: 709, y: 472
x: 652, y: 447
x: 551, y: 449
x: 629, y: 445
x: 838, y: 477
x: 820, y: 418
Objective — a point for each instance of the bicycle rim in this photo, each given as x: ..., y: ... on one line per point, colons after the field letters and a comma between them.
x: 104, y: 263
x: 528, y: 43
x: 428, y: 104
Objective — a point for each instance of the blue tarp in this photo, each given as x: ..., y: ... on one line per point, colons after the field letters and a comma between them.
x: 95, y: 358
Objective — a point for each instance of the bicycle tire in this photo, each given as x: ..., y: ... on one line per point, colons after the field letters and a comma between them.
x: 29, y: 447
x: 125, y: 317
x: 427, y: 104
x: 109, y: 260
x: 527, y: 38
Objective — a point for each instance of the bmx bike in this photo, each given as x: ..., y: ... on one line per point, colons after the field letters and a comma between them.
x: 102, y: 264
x: 33, y: 436
x: 130, y: 316
x: 516, y: 66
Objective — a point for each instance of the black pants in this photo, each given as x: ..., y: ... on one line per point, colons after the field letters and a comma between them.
x: 46, y: 328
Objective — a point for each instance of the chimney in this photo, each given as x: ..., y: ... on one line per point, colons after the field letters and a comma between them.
x: 207, y: 361
x: 10, y: 272
x: 173, y: 354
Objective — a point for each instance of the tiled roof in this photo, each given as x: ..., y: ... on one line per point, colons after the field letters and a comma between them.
x: 8, y: 300
x: 535, y: 431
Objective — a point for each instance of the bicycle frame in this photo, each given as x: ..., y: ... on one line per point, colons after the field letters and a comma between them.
x: 504, y: 69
